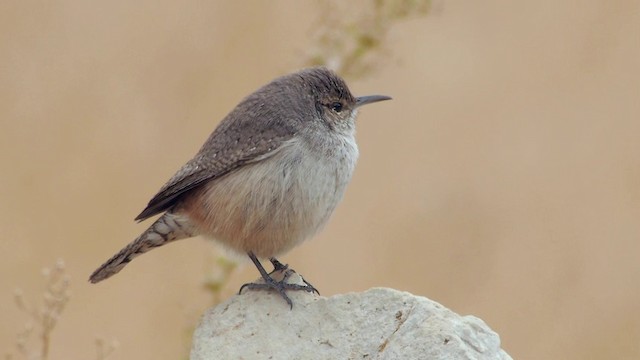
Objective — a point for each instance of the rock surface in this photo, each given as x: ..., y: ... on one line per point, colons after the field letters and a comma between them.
x: 379, y: 323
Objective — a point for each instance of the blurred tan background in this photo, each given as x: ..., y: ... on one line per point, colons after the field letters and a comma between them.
x: 503, y: 180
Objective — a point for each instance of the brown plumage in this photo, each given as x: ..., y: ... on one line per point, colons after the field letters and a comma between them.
x: 266, y: 179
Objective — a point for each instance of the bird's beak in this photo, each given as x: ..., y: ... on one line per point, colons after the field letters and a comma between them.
x: 363, y: 100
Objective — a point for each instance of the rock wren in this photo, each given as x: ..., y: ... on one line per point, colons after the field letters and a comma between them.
x: 266, y: 179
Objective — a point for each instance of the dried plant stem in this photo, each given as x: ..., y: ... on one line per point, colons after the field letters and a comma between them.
x: 44, y: 317
x: 349, y: 36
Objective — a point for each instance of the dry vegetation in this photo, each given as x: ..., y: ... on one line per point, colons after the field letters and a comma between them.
x: 34, y: 339
x: 350, y: 38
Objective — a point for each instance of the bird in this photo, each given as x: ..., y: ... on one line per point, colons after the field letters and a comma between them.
x: 268, y: 177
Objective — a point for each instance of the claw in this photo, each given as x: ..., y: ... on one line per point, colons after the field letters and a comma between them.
x: 280, y: 286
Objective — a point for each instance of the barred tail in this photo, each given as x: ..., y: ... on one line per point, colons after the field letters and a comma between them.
x: 169, y: 227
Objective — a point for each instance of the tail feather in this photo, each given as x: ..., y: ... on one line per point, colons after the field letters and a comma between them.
x: 169, y: 227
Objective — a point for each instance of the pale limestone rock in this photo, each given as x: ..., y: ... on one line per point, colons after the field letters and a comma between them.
x: 376, y: 324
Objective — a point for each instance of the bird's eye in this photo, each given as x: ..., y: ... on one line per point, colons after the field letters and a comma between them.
x: 336, y: 106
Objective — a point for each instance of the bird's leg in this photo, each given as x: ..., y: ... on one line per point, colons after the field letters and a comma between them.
x: 270, y: 284
x: 278, y: 266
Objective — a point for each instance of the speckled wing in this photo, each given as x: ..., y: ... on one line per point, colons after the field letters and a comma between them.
x: 250, y: 132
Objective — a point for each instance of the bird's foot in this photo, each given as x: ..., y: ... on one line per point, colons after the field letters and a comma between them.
x: 280, y: 286
x: 284, y: 268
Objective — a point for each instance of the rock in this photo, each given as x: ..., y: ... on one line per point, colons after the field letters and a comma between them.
x: 379, y: 323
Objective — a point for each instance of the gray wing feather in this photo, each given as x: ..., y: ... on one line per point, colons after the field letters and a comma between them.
x: 251, y: 131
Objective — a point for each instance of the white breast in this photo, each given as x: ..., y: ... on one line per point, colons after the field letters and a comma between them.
x: 272, y: 205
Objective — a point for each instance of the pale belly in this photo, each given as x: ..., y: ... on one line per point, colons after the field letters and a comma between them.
x: 272, y: 205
